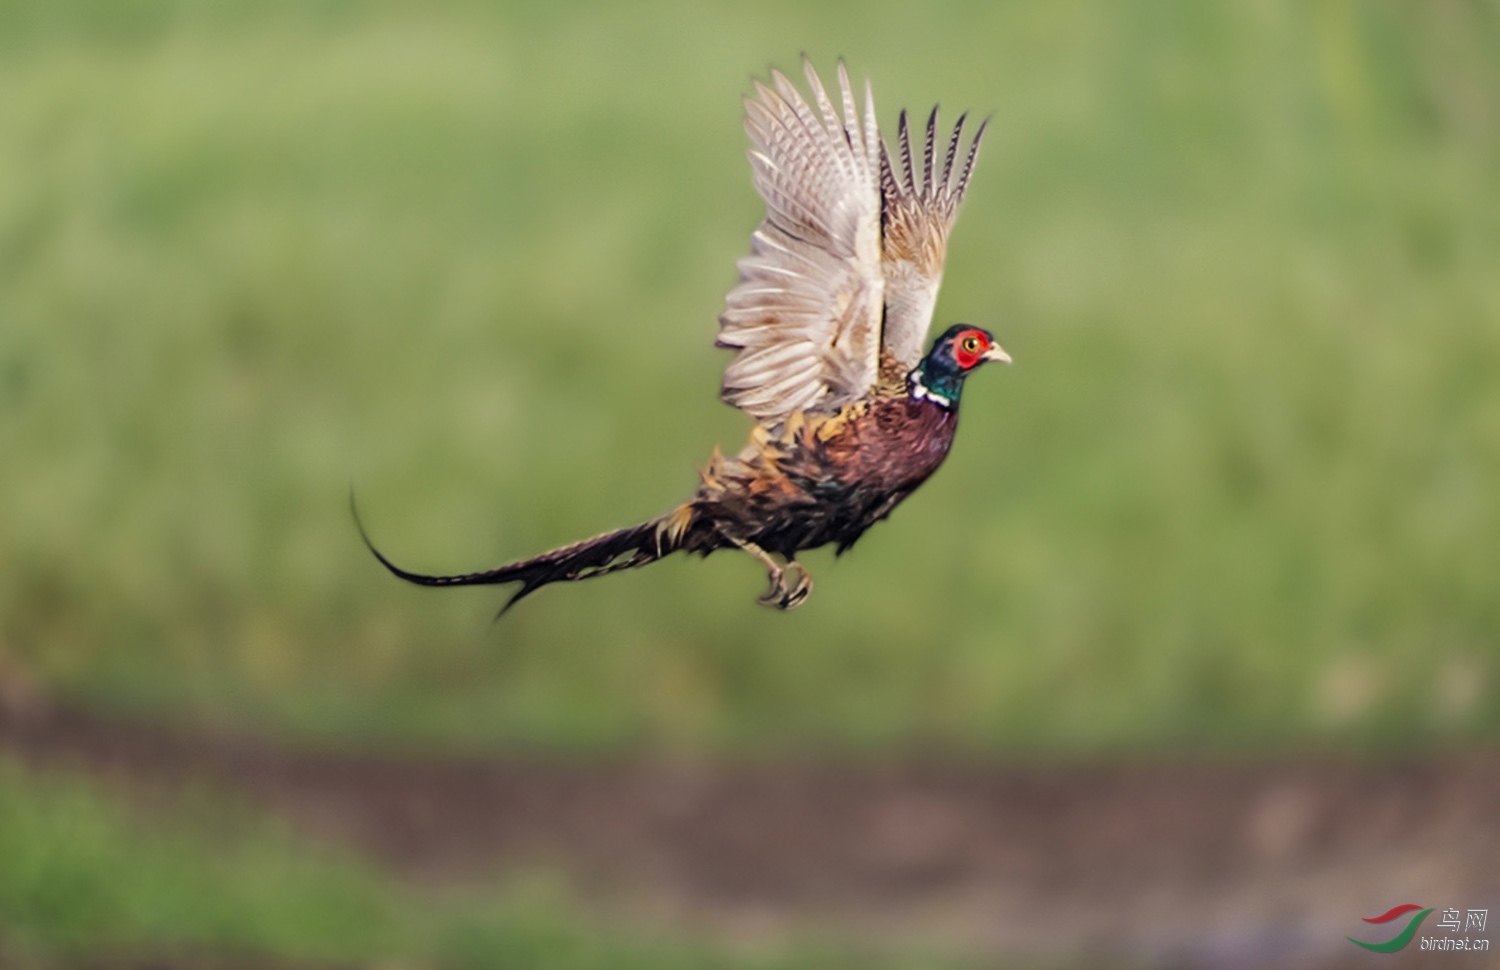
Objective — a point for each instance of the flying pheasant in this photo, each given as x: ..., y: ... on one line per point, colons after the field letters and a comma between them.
x: 828, y: 320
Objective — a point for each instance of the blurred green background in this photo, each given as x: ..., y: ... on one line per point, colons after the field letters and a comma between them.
x: 1241, y: 488
x: 1243, y: 483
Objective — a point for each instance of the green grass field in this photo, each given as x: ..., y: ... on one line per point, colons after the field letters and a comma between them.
x: 1239, y: 488
x: 83, y: 874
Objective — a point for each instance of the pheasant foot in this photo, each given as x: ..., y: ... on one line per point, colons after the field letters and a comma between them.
x: 790, y: 584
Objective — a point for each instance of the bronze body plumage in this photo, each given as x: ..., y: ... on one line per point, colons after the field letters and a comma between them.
x: 828, y: 320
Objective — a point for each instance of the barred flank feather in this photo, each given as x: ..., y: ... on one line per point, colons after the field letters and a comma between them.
x: 611, y: 552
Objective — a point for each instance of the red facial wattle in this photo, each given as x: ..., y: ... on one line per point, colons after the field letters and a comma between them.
x: 969, y: 348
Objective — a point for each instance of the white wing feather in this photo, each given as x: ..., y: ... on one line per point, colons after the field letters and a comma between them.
x: 805, y: 315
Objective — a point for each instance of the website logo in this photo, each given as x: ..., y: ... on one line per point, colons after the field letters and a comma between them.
x: 1452, y: 921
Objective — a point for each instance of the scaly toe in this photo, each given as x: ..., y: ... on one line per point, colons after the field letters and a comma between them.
x: 776, y: 595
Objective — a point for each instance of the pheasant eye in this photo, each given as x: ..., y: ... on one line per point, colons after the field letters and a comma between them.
x: 971, y: 344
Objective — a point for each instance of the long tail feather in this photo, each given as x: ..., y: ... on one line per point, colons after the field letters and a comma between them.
x: 611, y: 552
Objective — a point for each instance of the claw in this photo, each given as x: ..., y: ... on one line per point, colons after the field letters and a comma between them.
x: 777, y: 591
x: 789, y: 587
x: 800, y: 587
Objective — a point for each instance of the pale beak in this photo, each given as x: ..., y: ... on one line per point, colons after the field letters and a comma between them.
x: 996, y: 352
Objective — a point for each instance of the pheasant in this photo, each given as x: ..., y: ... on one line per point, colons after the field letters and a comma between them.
x: 827, y: 321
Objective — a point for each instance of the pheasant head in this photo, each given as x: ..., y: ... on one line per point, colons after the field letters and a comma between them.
x: 958, y: 352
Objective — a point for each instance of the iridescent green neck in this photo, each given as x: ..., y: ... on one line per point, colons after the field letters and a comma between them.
x: 936, y: 380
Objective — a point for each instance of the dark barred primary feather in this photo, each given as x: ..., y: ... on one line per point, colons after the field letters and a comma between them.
x: 936, y: 184
x: 919, y: 202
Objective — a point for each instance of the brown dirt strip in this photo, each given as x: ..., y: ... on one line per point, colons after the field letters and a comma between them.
x: 1184, y: 863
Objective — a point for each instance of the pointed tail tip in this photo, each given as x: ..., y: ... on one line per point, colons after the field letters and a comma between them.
x: 358, y: 522
x: 365, y: 536
x: 395, y: 570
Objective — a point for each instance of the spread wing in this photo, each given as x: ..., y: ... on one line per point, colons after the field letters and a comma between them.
x: 805, y: 314
x: 919, y: 210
